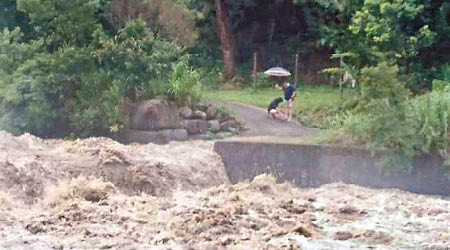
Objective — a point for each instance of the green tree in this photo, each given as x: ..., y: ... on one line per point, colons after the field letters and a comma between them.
x: 10, y: 17
x: 32, y: 84
x: 391, y: 30
x: 167, y: 19
x: 62, y: 22
x: 382, y: 82
x: 79, y: 89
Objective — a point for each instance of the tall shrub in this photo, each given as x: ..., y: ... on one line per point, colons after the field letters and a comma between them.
x: 431, y: 115
x: 185, y: 87
x: 387, y: 119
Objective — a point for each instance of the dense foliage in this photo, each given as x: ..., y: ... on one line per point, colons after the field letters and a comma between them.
x: 387, y: 118
x: 76, y: 79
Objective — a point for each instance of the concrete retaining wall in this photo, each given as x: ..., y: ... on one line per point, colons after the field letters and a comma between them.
x: 312, y: 165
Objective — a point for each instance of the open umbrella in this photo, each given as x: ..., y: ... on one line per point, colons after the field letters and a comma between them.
x: 277, y: 71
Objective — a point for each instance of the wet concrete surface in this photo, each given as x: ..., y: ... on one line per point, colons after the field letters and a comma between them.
x: 260, y: 124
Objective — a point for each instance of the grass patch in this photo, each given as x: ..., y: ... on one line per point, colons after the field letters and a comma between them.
x: 313, y: 107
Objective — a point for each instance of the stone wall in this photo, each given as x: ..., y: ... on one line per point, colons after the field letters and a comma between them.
x: 314, y: 165
x: 159, y: 121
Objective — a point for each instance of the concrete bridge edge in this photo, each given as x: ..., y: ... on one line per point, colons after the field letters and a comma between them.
x: 315, y: 165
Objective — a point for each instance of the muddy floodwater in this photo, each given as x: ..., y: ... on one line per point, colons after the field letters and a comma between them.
x: 99, y: 194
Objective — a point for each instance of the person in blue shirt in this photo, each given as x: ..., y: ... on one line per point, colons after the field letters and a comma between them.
x: 290, y: 92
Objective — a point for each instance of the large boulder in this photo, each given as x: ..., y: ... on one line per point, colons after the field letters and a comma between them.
x: 155, y: 115
x: 211, y: 112
x: 199, y: 115
x: 185, y: 112
x: 196, y: 126
x: 202, y: 106
x: 214, y: 126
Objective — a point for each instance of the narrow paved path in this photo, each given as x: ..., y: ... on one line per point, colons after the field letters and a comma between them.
x: 261, y: 125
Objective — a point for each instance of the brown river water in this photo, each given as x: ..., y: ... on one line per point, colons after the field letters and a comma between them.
x: 99, y: 194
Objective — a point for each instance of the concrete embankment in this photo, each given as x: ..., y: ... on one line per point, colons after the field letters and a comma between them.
x: 315, y: 165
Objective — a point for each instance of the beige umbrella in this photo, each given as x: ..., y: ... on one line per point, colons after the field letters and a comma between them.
x: 277, y: 71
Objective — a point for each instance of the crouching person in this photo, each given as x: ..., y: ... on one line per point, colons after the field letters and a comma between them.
x: 274, y: 111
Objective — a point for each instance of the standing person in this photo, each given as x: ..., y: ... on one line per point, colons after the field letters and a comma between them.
x: 290, y: 92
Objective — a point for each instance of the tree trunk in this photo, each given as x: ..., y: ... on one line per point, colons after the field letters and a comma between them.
x: 227, y: 41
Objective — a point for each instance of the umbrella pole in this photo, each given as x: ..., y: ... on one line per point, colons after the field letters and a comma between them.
x: 342, y: 79
x: 296, y: 70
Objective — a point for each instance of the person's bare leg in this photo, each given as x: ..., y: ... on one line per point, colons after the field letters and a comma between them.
x: 280, y: 115
x: 289, y: 111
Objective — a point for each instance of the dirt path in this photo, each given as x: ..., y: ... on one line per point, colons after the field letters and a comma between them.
x: 260, y: 124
